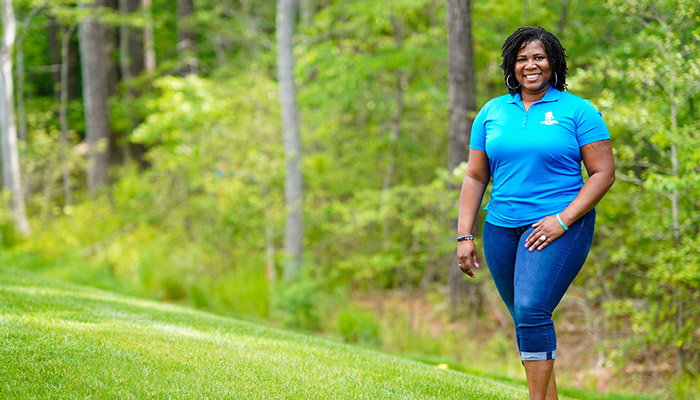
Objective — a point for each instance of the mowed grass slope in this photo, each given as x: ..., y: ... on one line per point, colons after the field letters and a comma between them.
x: 64, y: 341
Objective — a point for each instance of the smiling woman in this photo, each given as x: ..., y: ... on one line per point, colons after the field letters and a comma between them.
x: 536, y: 59
x: 532, y: 70
x: 541, y: 215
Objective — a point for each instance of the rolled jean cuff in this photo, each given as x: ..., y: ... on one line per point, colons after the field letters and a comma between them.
x: 538, y: 356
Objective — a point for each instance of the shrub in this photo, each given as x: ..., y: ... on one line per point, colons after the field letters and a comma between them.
x: 358, y: 326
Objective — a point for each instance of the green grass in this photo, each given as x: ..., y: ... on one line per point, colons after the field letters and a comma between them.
x: 64, y: 341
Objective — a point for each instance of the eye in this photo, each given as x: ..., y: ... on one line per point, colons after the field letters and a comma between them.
x: 539, y: 58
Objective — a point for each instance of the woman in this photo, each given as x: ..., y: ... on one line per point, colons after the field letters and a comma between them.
x: 541, y: 216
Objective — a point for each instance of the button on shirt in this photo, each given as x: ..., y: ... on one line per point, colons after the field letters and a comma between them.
x: 534, y: 155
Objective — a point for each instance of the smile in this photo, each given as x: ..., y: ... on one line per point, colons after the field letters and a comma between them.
x: 532, y: 77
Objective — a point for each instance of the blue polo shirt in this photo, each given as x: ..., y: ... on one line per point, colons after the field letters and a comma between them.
x: 534, y: 155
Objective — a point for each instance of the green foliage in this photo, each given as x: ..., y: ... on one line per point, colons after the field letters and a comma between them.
x: 299, y: 304
x: 191, y: 227
x: 358, y: 326
x: 653, y: 248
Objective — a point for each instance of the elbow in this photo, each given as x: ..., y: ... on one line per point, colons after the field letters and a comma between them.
x: 611, y: 179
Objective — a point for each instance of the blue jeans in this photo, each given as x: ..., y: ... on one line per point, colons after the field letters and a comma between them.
x: 532, y: 283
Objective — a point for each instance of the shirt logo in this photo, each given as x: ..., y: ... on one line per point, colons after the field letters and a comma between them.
x: 549, y: 119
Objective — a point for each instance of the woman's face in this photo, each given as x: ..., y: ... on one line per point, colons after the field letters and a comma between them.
x: 532, y: 68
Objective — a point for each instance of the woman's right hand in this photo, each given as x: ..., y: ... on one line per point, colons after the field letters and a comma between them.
x: 466, y: 257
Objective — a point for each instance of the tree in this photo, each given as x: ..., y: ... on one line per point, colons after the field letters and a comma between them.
x: 21, y: 113
x: 95, y: 94
x: 294, y: 228
x: 63, y: 115
x: 11, y: 177
x: 462, y: 106
x: 656, y: 237
x: 131, y: 49
x: 186, y: 37
x: 149, y: 50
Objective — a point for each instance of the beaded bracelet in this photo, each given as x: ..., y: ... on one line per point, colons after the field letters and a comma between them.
x: 465, y: 237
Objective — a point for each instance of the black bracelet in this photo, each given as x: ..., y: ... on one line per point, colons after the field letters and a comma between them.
x: 465, y: 237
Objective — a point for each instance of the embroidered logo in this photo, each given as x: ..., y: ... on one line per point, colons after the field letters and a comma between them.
x: 549, y: 119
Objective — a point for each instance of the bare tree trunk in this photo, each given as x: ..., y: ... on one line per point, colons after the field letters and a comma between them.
x: 293, y: 232
x: 186, y: 37
x: 129, y: 66
x: 462, y: 103
x: 95, y: 95
x: 55, y: 53
x: 148, y: 44
x: 8, y: 128
x: 124, y: 45
x: 21, y: 111
x: 19, y: 55
x: 63, y: 115
x: 135, y: 37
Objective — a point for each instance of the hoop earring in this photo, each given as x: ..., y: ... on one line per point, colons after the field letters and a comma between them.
x: 556, y: 79
x: 510, y: 87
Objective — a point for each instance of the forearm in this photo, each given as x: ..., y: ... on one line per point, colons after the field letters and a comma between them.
x: 588, y: 197
x: 469, y: 202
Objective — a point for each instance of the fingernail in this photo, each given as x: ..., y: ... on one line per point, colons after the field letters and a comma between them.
x: 477, y: 265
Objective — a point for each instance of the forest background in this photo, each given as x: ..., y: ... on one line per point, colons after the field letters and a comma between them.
x: 149, y: 158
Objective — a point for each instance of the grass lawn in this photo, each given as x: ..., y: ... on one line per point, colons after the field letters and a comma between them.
x: 64, y: 341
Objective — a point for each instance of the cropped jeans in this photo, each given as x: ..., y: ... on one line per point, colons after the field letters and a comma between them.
x: 532, y: 283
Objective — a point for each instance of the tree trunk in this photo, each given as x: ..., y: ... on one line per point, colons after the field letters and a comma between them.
x: 8, y: 128
x: 111, y: 35
x: 21, y: 113
x: 95, y: 96
x: 149, y: 50
x: 293, y: 233
x: 125, y: 45
x: 186, y: 37
x: 55, y: 53
x: 55, y: 31
x: 462, y: 103
x: 131, y: 64
x: 563, y: 16
x: 63, y: 115
x: 135, y: 41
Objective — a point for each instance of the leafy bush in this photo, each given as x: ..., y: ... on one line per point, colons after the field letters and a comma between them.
x: 358, y: 326
x: 299, y: 304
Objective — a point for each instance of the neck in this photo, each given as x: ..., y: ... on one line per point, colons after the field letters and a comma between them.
x: 530, y: 97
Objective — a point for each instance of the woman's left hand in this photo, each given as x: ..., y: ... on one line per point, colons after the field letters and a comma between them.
x: 546, y: 231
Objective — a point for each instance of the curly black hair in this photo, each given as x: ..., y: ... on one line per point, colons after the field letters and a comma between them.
x: 556, y: 54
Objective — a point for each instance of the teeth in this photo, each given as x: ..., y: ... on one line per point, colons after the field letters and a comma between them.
x: 532, y: 76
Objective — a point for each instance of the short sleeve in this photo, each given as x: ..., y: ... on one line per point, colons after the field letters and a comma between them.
x: 590, y: 126
x: 477, y: 141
